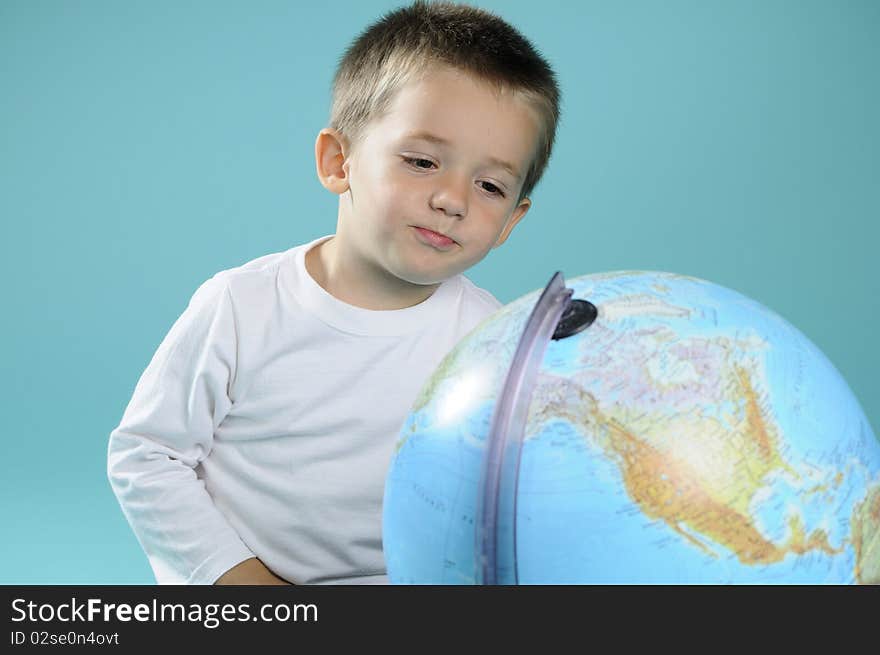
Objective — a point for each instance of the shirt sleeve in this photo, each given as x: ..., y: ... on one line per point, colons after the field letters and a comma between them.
x: 166, y: 430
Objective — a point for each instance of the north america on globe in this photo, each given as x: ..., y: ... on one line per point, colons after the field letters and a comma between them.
x: 688, y: 435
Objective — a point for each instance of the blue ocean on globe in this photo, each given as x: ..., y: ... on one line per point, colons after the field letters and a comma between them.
x: 689, y: 435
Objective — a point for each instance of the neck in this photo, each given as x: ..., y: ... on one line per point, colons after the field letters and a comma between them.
x: 363, y: 286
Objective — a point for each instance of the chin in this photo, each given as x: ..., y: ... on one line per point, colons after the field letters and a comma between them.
x: 425, y: 280
x: 412, y: 273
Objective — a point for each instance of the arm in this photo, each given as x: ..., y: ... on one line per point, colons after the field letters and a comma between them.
x: 250, y: 572
x: 166, y: 430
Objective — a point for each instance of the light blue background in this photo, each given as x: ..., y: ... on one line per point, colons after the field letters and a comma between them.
x: 144, y: 146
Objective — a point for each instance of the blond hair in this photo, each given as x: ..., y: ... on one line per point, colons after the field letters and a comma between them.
x: 402, y: 46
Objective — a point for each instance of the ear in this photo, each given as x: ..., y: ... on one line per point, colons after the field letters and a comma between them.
x: 515, y: 218
x: 331, y: 149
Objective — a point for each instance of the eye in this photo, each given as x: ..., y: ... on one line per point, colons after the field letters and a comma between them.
x: 416, y: 161
x: 492, y: 189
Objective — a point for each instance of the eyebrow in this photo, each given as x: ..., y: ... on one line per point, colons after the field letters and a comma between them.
x: 433, y: 138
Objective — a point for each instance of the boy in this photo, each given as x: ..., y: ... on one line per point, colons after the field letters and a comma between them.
x: 255, y: 446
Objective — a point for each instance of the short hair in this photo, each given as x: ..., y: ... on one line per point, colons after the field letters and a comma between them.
x: 403, y: 45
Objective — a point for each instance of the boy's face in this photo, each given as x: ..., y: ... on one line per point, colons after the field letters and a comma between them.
x: 423, y: 209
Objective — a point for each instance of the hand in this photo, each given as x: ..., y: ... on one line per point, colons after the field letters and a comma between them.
x: 251, y: 571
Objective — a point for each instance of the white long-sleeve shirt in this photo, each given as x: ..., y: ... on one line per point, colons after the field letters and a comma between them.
x: 265, y: 422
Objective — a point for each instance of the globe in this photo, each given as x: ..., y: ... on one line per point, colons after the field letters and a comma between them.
x: 668, y: 431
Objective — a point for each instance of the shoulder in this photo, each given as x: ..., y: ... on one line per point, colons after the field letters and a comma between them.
x: 474, y: 305
x: 255, y: 277
x: 477, y: 297
x: 250, y: 287
x: 255, y: 271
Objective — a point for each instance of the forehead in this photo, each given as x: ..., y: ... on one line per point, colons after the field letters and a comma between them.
x: 465, y: 114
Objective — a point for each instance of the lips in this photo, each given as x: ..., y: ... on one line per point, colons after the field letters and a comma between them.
x: 434, y: 239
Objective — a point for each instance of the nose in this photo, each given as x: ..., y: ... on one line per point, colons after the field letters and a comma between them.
x: 451, y: 195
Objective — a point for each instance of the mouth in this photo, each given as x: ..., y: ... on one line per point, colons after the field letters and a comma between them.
x: 434, y: 239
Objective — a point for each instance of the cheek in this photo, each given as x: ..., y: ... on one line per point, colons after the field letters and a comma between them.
x: 492, y: 227
x: 374, y: 192
x: 400, y: 195
x: 487, y: 246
